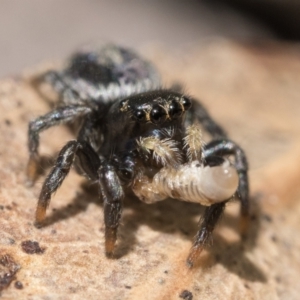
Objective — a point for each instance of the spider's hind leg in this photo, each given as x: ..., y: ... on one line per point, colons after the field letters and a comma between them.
x: 61, y: 83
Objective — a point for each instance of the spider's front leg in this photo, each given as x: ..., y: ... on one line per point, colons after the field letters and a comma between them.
x: 223, y: 147
x: 112, y: 195
x: 208, y: 222
x: 212, y: 213
x: 89, y: 162
x: 110, y: 187
x: 58, y: 116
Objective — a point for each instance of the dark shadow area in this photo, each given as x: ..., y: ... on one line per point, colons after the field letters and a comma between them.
x: 232, y: 257
x: 282, y: 17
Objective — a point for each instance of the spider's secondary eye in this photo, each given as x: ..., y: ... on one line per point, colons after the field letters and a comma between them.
x: 158, y: 114
x: 123, y: 105
x: 175, y: 109
x: 186, y: 103
x: 139, y: 115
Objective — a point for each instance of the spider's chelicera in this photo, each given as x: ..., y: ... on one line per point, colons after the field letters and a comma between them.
x: 135, y: 134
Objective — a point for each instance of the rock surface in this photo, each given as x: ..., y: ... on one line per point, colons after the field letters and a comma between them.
x: 253, y: 91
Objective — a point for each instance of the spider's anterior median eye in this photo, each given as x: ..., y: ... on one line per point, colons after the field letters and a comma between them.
x: 126, y: 174
x: 140, y: 115
x: 175, y: 109
x: 186, y: 103
x: 158, y: 114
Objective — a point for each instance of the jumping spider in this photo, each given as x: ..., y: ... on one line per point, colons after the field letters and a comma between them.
x: 135, y: 134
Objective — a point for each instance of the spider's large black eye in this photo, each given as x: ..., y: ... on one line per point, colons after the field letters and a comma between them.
x: 140, y: 115
x: 158, y: 114
x: 126, y: 174
x: 175, y: 109
x: 186, y: 103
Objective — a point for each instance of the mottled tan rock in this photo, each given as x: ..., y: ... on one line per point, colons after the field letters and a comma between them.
x: 253, y: 91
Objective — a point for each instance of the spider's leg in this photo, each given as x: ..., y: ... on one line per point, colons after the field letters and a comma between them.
x: 208, y: 223
x: 58, y: 116
x: 55, y: 179
x: 199, y: 114
x: 89, y: 161
x: 68, y: 95
x: 112, y: 195
x: 212, y: 213
x: 91, y: 130
x: 224, y: 147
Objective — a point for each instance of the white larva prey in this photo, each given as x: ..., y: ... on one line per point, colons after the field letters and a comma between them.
x: 192, y: 182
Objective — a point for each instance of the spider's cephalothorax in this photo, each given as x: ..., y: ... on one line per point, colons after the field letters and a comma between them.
x: 135, y: 134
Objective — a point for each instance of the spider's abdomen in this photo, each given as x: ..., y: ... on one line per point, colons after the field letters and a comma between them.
x: 107, y: 74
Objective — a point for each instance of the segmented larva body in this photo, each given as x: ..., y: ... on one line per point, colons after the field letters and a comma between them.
x: 192, y: 182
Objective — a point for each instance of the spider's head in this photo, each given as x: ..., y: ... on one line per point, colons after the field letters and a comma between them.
x: 156, y: 107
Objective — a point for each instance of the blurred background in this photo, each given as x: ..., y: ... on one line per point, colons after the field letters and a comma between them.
x: 32, y: 31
